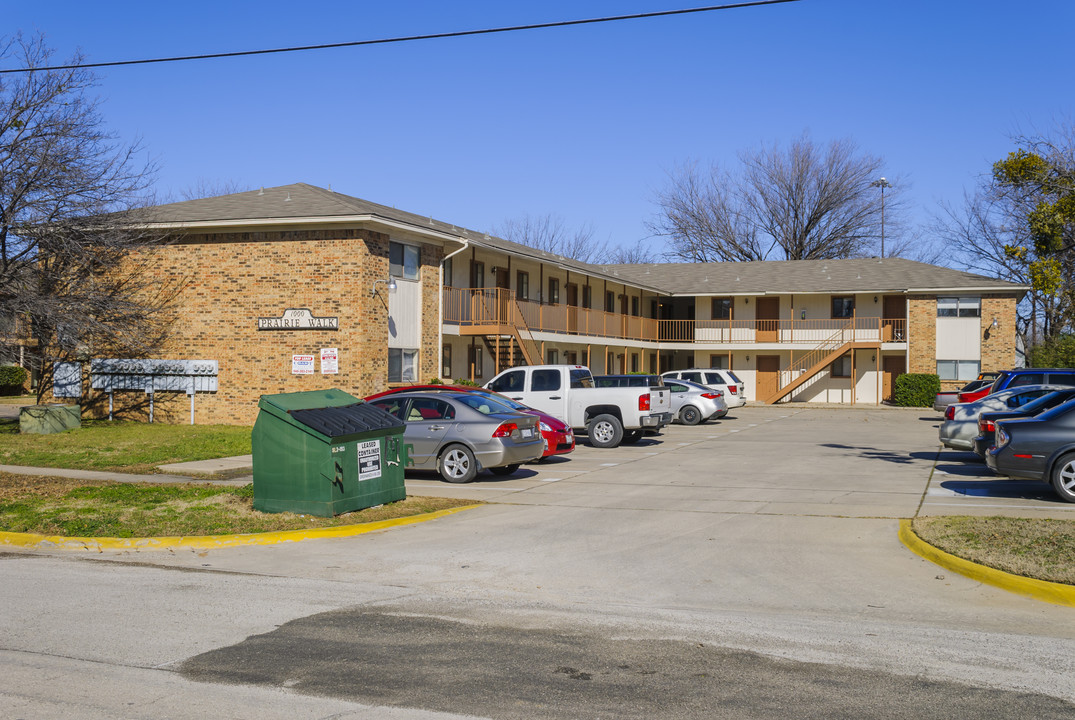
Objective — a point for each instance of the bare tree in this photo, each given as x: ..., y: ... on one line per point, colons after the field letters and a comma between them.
x: 637, y: 254
x: 805, y: 202
x: 549, y: 233
x: 705, y: 218
x: 204, y: 188
x: 73, y: 265
x: 1019, y: 225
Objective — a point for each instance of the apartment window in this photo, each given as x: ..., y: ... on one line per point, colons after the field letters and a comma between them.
x: 634, y: 362
x: 403, y: 261
x: 719, y: 362
x: 475, y: 360
x: 477, y: 274
x: 552, y: 357
x: 522, y: 285
x: 554, y: 291
x: 448, y: 268
x: 959, y: 307
x: 571, y: 357
x: 722, y: 309
x: 610, y: 301
x: 963, y: 370
x: 636, y: 308
x: 402, y: 364
x: 843, y: 307
x: 446, y: 362
x: 587, y: 297
x: 842, y: 367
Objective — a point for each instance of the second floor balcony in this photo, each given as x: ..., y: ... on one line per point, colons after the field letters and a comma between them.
x: 493, y: 310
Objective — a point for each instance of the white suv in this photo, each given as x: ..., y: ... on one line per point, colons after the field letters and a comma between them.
x: 734, y: 390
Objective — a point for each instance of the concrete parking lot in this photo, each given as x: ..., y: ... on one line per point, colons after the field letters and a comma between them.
x: 746, y: 568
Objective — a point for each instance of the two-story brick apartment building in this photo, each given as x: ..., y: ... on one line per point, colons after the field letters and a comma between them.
x: 298, y: 288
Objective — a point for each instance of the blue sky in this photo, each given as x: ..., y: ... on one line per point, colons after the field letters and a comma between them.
x: 582, y: 122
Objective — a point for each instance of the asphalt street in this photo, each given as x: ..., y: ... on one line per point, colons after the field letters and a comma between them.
x: 748, y: 568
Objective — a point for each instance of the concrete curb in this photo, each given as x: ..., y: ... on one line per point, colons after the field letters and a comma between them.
x: 210, y: 542
x: 1056, y: 593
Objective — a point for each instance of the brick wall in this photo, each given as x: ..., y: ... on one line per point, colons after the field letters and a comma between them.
x: 998, y: 343
x: 921, y: 334
x: 235, y: 278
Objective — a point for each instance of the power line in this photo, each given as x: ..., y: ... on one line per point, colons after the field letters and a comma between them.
x: 408, y: 38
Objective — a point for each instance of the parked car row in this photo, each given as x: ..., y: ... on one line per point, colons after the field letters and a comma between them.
x: 531, y: 413
x: 1023, y: 427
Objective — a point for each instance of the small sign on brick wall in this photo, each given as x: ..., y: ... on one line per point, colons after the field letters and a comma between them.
x: 302, y: 364
x: 330, y: 361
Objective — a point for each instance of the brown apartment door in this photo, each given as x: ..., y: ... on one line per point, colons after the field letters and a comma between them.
x: 768, y: 319
x: 892, y: 367
x: 768, y: 381
x: 572, y: 291
x: 503, y: 295
x: 894, y: 322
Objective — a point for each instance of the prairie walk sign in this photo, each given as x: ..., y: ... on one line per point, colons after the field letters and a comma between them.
x: 298, y: 319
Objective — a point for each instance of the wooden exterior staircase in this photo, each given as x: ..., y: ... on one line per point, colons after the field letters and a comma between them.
x: 496, y: 316
x: 801, y: 371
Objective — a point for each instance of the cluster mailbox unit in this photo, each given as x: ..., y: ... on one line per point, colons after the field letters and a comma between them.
x: 326, y: 452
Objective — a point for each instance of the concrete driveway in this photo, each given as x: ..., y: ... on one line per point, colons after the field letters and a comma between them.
x: 747, y: 568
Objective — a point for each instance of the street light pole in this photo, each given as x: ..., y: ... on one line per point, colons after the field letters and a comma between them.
x: 882, y: 183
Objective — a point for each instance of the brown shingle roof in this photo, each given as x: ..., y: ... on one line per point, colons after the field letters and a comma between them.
x: 299, y: 201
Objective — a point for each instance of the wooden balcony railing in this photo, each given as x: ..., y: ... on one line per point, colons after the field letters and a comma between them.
x: 490, y: 307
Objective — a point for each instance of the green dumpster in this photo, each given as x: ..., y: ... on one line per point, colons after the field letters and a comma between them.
x: 326, y: 452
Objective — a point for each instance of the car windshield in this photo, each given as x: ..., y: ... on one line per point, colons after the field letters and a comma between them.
x: 484, y: 404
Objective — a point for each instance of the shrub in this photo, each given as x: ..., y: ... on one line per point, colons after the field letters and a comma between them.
x: 12, y: 379
x: 464, y: 381
x: 917, y: 389
x: 435, y: 381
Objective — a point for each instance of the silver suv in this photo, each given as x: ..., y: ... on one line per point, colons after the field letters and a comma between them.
x: 734, y: 389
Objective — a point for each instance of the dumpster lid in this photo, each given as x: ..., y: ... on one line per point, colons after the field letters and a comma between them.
x: 346, y: 420
x: 286, y: 402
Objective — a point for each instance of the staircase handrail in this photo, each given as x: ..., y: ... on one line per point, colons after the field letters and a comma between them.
x: 808, y: 360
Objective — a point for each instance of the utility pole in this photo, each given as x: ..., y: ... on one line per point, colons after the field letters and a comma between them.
x: 882, y: 183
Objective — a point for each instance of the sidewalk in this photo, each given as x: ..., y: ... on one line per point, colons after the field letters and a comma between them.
x: 176, y: 473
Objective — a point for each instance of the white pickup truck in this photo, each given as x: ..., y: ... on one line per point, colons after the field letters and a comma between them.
x: 609, y: 416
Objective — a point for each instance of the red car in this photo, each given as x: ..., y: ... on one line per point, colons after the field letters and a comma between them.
x: 559, y: 438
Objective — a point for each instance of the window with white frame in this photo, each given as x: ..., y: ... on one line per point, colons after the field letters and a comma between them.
x: 962, y: 370
x: 403, y: 261
x: 402, y: 364
x: 959, y: 307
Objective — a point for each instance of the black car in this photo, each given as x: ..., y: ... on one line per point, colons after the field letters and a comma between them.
x: 987, y: 420
x: 1038, y: 448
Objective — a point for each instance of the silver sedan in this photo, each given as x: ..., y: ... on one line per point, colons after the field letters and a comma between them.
x: 693, y: 403
x: 459, y: 433
x: 960, y: 425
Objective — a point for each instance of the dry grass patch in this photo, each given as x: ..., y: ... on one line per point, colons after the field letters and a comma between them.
x: 1037, y: 548
x: 79, y: 508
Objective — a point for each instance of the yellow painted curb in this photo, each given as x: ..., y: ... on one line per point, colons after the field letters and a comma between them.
x: 1057, y: 593
x: 206, y: 542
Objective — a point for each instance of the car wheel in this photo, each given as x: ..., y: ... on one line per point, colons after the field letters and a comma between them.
x: 1064, y: 478
x: 504, y: 469
x: 630, y: 437
x: 457, y: 464
x: 605, y: 431
x: 690, y: 415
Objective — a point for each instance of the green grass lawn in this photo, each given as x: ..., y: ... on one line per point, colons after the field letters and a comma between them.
x: 1037, y: 548
x: 122, y: 446
x: 80, y: 508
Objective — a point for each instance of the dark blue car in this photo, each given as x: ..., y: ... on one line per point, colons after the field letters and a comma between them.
x: 1038, y: 448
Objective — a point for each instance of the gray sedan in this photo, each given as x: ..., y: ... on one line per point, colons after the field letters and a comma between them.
x: 693, y: 403
x: 960, y: 425
x: 458, y: 433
